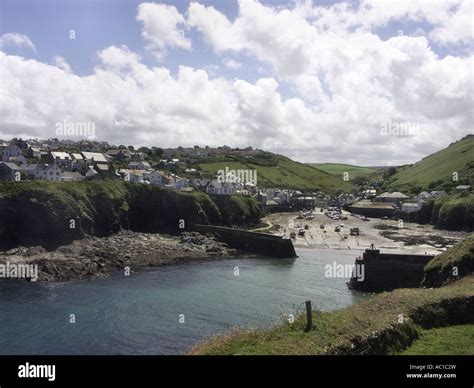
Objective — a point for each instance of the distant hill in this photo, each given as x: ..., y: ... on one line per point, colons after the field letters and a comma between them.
x: 338, y: 169
x: 435, y: 172
x: 279, y: 171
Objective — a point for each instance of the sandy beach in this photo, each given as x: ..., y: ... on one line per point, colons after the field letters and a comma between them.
x: 384, y: 234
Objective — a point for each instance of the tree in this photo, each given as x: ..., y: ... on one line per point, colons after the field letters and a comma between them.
x: 158, y: 152
x: 390, y: 172
x: 145, y: 150
x: 360, y: 181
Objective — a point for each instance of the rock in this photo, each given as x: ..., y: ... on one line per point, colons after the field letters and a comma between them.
x: 93, y: 256
x: 13, y: 251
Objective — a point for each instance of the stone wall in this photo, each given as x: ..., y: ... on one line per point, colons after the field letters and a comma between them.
x: 264, y: 244
x: 387, y: 271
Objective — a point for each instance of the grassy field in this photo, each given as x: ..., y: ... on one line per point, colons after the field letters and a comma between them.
x: 370, y: 327
x: 435, y: 172
x: 282, y: 172
x: 440, y: 269
x: 451, y: 340
x: 337, y: 170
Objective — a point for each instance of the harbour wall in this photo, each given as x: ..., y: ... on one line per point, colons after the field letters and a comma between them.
x: 387, y: 271
x: 264, y: 244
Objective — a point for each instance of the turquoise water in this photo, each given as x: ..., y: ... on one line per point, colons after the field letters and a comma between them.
x: 141, y: 314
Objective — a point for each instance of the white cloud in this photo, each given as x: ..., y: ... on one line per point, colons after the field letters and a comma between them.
x: 352, y: 80
x: 459, y: 27
x: 163, y: 26
x: 347, y: 82
x: 61, y: 63
x: 16, y: 39
x: 231, y: 64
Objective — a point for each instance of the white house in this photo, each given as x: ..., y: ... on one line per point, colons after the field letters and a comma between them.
x: 95, y: 157
x: 77, y: 162
x: 91, y: 172
x: 159, y: 179
x: 285, y: 197
x: 409, y: 207
x: 139, y: 166
x: 48, y: 172
x: 61, y: 159
x: 137, y: 177
x: 395, y: 197
x: 12, y: 152
x: 9, y: 171
x: 179, y: 183
x: 34, y: 152
x: 220, y: 188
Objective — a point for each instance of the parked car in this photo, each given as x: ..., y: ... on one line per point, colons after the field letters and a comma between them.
x: 354, y: 231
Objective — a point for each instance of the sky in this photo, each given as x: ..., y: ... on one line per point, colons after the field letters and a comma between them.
x: 360, y: 82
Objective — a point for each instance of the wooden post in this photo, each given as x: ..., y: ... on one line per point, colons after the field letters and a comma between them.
x: 309, y: 316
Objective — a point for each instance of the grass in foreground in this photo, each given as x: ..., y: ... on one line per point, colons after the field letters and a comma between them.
x: 335, y: 332
x: 452, y: 340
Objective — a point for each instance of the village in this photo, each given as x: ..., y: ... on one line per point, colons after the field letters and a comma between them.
x: 68, y: 161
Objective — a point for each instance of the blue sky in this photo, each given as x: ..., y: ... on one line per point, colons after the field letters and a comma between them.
x: 97, y: 24
x: 102, y: 23
x: 315, y: 92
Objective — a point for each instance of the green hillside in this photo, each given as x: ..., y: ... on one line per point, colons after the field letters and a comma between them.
x: 435, y: 172
x: 40, y: 212
x: 338, y: 169
x: 279, y: 171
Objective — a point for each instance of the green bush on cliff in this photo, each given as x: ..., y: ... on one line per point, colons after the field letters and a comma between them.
x: 54, y: 213
x: 456, y: 262
x: 454, y: 212
x: 237, y: 209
